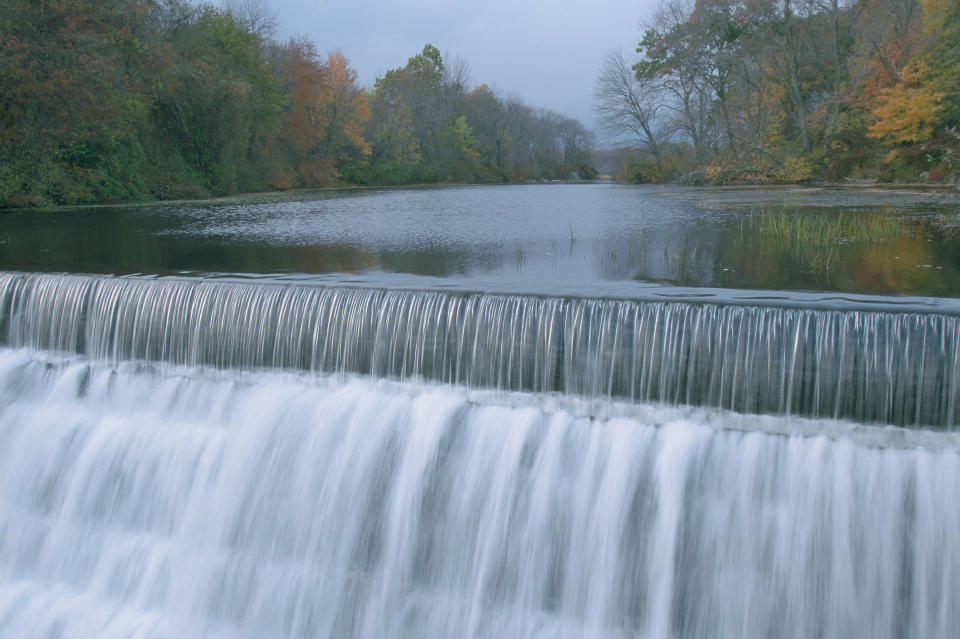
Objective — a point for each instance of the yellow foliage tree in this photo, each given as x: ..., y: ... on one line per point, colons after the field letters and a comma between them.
x: 922, y: 105
x: 343, y: 108
x: 909, y: 112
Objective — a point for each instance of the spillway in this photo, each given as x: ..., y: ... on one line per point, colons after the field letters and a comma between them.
x: 881, y: 367
x: 200, y: 458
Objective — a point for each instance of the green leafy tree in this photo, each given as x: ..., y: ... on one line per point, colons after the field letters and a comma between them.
x: 219, y: 98
x: 73, y: 94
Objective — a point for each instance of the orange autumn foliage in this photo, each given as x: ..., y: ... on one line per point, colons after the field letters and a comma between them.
x: 908, y: 112
x: 918, y: 108
x: 323, y: 122
x: 344, y: 107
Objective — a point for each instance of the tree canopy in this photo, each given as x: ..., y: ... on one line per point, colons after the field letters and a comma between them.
x: 114, y: 100
x: 794, y: 89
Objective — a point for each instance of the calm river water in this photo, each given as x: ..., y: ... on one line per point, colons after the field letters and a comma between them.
x: 591, y: 239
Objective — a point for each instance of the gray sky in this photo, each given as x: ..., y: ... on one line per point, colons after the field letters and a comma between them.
x: 545, y: 51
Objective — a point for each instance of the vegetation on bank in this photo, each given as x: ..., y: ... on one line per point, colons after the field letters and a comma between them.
x: 126, y: 100
x: 120, y: 100
x: 724, y: 91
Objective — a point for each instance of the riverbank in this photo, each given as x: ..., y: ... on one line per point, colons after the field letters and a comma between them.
x: 255, y: 197
x: 289, y: 194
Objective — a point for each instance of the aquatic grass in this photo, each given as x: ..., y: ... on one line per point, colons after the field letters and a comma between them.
x: 822, y: 228
x: 812, y: 239
x: 682, y: 259
x: 639, y: 256
x: 666, y: 249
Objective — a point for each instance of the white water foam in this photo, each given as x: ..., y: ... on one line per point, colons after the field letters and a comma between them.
x: 144, y: 500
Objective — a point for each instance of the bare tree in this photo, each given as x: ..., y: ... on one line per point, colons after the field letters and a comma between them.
x: 679, y: 59
x: 455, y: 79
x: 456, y: 72
x: 626, y: 105
x: 886, y: 32
x: 256, y: 15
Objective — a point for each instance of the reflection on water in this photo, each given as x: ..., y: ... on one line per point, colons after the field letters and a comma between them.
x: 541, y: 236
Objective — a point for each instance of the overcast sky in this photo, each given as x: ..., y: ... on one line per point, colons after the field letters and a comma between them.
x: 545, y: 51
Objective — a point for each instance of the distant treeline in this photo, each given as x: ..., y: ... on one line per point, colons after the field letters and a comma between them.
x: 788, y: 90
x: 115, y: 100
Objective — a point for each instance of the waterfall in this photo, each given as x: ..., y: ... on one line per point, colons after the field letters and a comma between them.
x: 879, y: 367
x: 145, y: 501
x: 185, y: 458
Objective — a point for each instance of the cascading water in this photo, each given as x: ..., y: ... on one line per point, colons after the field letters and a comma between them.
x: 187, y: 458
x: 890, y: 368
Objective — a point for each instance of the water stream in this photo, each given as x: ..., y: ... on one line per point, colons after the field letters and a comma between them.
x: 881, y: 367
x: 154, y: 501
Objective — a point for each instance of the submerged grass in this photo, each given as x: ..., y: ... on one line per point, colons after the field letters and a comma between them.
x: 813, y: 239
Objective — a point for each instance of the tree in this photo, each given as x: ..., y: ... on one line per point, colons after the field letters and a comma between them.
x: 924, y: 106
x: 627, y: 105
x: 321, y: 131
x: 219, y: 99
x: 485, y: 113
x: 885, y: 39
x: 466, y: 162
x: 73, y: 94
x: 255, y: 15
x: 344, y: 110
x: 395, y: 147
x: 297, y: 159
x: 672, y: 53
x: 410, y: 116
x: 122, y: 99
